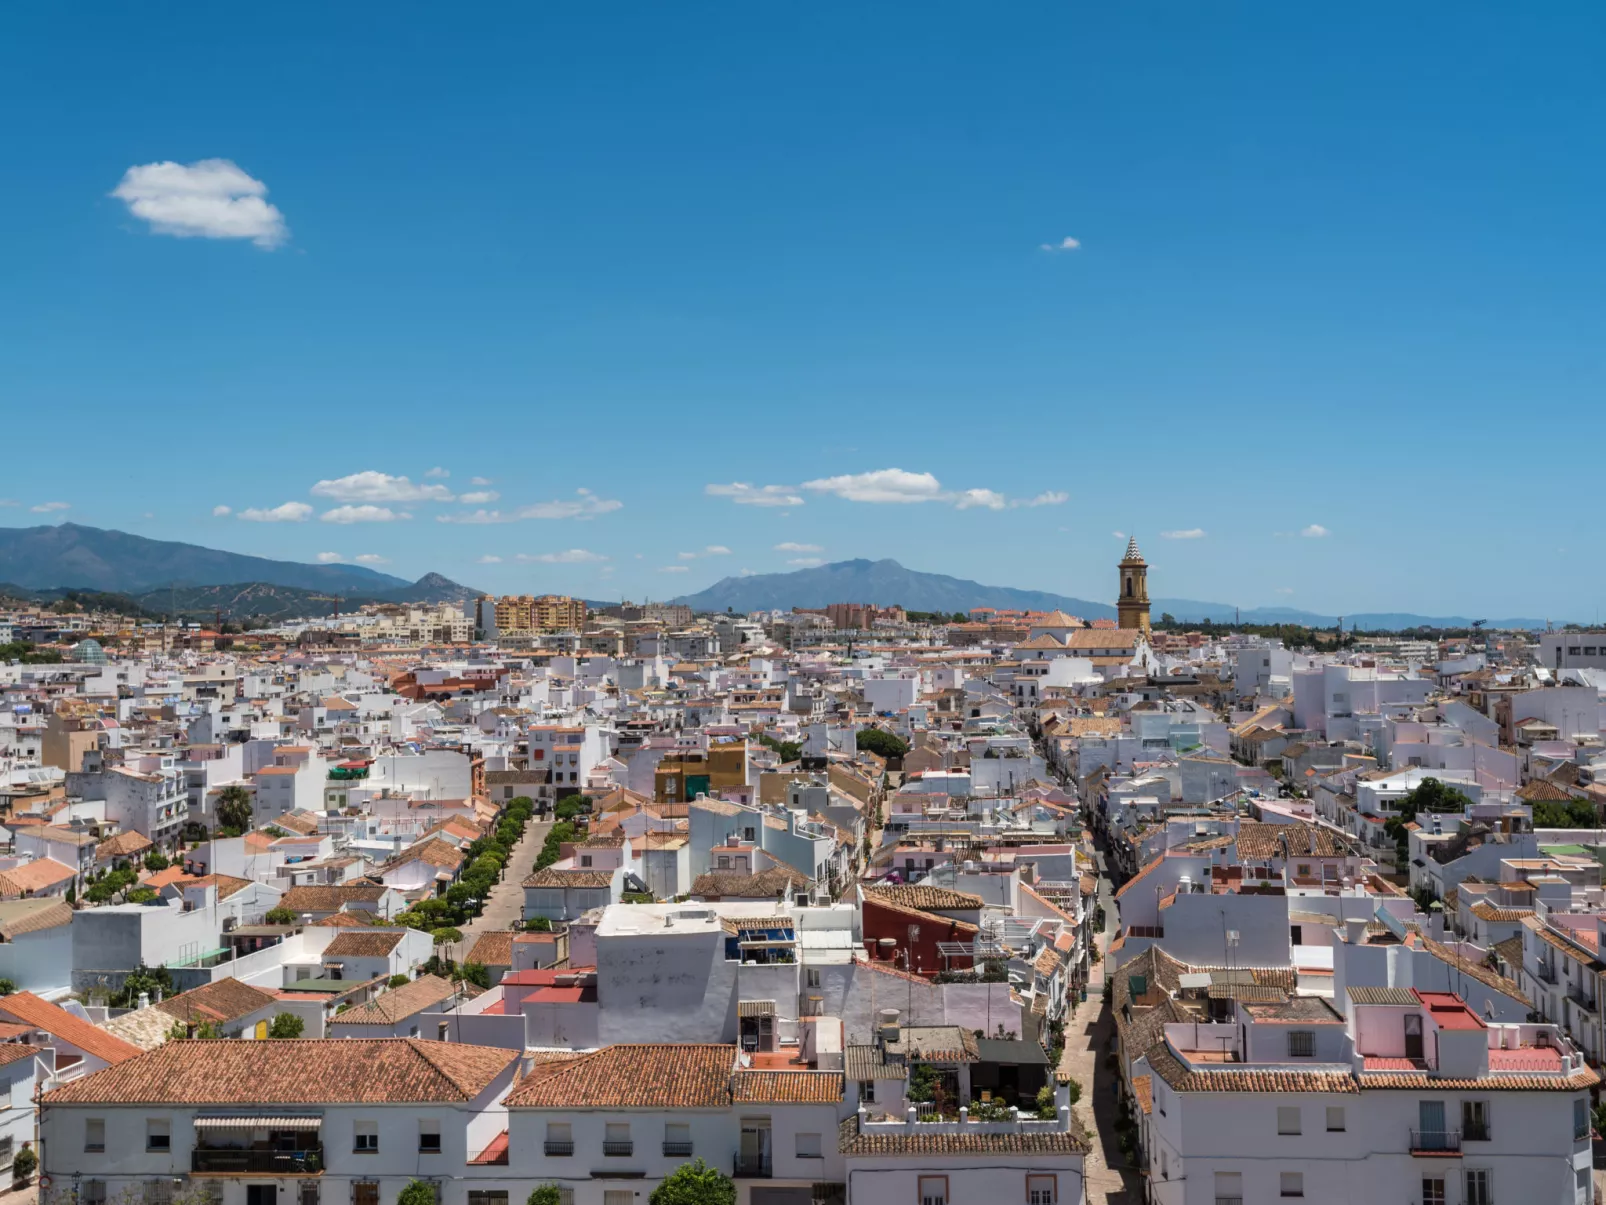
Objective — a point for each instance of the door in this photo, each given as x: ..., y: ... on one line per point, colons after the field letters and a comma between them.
x: 261, y: 1194
x: 755, y: 1156
x: 1413, y: 1036
x: 1430, y: 1122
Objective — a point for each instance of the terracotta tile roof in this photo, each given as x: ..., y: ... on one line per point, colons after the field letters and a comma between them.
x: 41, y: 1014
x: 371, y: 943
x: 398, y: 1003
x: 434, y: 852
x: 1484, y: 910
x: 634, y: 1077
x: 123, y: 845
x: 346, y: 920
x: 220, y: 1000
x: 766, y: 884
x: 329, y: 899
x: 935, y: 1044
x: 851, y: 1142
x: 1143, y: 1089
x: 787, y: 1087
x: 322, y: 1071
x: 37, y: 875
x: 30, y: 916
x: 1476, y: 970
x: 865, y: 1063
x: 924, y: 898
x: 552, y: 877
x: 1420, y: 1081
x: 493, y: 949
x: 1384, y: 995
x: 1244, y: 1079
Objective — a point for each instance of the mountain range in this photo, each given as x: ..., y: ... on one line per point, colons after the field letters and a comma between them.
x: 43, y: 564
x: 888, y: 583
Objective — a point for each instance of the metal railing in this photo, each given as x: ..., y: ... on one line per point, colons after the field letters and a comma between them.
x: 273, y: 1163
x: 616, y: 1149
x: 555, y: 1149
x: 753, y: 1167
x: 1545, y: 973
x: 1436, y: 1141
x: 677, y: 1150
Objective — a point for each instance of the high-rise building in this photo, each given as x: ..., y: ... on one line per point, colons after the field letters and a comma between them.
x: 1132, y: 607
x: 558, y: 613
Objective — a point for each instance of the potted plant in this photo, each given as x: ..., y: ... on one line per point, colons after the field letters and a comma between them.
x: 23, y: 1165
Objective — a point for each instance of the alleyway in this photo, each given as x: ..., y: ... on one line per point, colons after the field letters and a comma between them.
x: 506, y: 905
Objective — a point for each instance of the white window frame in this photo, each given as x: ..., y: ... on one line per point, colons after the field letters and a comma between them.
x: 1284, y: 1114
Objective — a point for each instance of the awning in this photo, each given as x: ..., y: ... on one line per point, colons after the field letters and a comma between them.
x: 243, y: 1122
x: 755, y: 1008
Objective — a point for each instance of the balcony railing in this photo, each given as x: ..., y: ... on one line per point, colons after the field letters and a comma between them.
x: 1435, y: 1142
x: 677, y: 1150
x: 270, y: 1163
x: 556, y: 1148
x: 753, y: 1167
x: 1546, y: 974
x: 618, y: 1149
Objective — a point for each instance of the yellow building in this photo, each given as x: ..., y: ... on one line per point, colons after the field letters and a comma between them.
x: 680, y: 779
x: 548, y: 613
x: 1132, y: 607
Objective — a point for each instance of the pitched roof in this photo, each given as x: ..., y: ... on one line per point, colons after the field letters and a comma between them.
x: 41, y: 1014
x: 553, y: 877
x: 220, y: 1000
x: 313, y: 1071
x: 786, y: 1087
x: 665, y: 1076
x: 926, y: 899
x: 30, y: 916
x: 399, y: 1003
x: 123, y: 845
x: 766, y: 884
x: 850, y: 1141
x: 329, y: 899
x: 369, y: 943
x: 493, y: 949
x: 1184, y: 1079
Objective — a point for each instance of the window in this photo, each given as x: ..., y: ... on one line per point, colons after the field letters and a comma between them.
x: 933, y: 1190
x: 309, y: 1193
x: 724, y: 862
x: 365, y: 1140
x: 479, y: 1196
x: 1475, y: 1121
x: 1229, y: 1188
x: 429, y: 1138
x: 616, y: 1139
x: 867, y: 1091
x: 559, y: 1138
x: 1480, y: 1186
x: 1042, y: 1190
x: 1293, y: 1184
x: 1580, y: 1119
x: 618, y: 1196
x: 1301, y: 1044
x: 365, y: 1192
x: 94, y: 1192
x: 157, y: 1192
x: 94, y: 1134
x: 1432, y: 1190
x: 158, y: 1137
x: 811, y: 977
x: 1335, y: 1119
x: 261, y: 1194
x: 808, y: 1147
x: 1288, y: 1119
x: 677, y: 1140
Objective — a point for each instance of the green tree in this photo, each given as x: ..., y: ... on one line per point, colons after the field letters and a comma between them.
x: 881, y: 742
x: 446, y: 934
x: 399, y: 981
x: 140, y: 895
x: 23, y: 1165
x: 475, y: 973
x: 234, y: 810
x: 416, y: 1193
x: 788, y: 751
x: 280, y: 916
x: 538, y: 924
x: 545, y: 1194
x: 286, y: 1025
x: 694, y: 1183
x: 156, y: 860
x: 7, y: 987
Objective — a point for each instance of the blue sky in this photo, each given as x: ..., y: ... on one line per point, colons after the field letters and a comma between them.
x: 1327, y: 276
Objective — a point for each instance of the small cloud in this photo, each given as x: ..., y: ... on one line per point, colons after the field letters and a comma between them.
x: 11, y: 502
x: 330, y: 558
x: 881, y: 486
x: 569, y: 556
x: 585, y: 505
x: 1049, y: 498
x: 211, y: 198
x: 744, y: 494
x: 489, y: 560
x: 805, y: 562
x: 1065, y: 244
x: 745, y: 573
x: 479, y: 481
x: 1186, y: 533
x: 984, y: 499
x: 219, y: 512
x: 791, y: 547
x: 372, y: 558
x: 1285, y: 590
x: 1119, y: 535
x: 438, y: 472
x: 1314, y: 532
x: 150, y: 514
x: 711, y: 550
x: 290, y: 512
x: 674, y: 568
x: 363, y: 514
x: 372, y: 486
x: 479, y: 497
x: 45, y: 508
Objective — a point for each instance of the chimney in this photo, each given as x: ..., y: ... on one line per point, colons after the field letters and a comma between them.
x: 887, y: 1029
x: 144, y: 1000
x: 1436, y: 921
x: 1355, y: 931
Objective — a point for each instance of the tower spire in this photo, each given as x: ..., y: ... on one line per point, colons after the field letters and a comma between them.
x: 1132, y: 606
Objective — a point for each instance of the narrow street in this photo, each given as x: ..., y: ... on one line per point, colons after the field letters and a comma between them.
x: 506, y: 905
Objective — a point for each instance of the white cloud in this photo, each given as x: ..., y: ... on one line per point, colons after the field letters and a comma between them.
x: 1314, y: 532
x: 881, y: 485
x: 371, y: 486
x: 290, y: 512
x: 14, y: 502
x: 478, y: 497
x: 1186, y: 533
x: 744, y: 494
x: 711, y: 550
x: 330, y: 558
x: 1049, y: 498
x: 437, y: 471
x: 479, y: 481
x: 746, y: 573
x: 569, y: 556
x: 488, y: 559
x: 1285, y: 590
x: 985, y: 499
x: 372, y: 558
x: 805, y: 562
x: 44, y: 508
x: 674, y: 569
x: 791, y: 547
x: 586, y: 505
x: 1065, y: 244
x: 211, y: 198
x: 1119, y: 535
x: 219, y: 512
x: 363, y: 514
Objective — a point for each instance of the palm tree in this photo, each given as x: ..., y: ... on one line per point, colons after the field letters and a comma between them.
x: 234, y: 809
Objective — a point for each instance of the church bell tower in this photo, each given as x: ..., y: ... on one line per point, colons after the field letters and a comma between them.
x: 1132, y: 607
